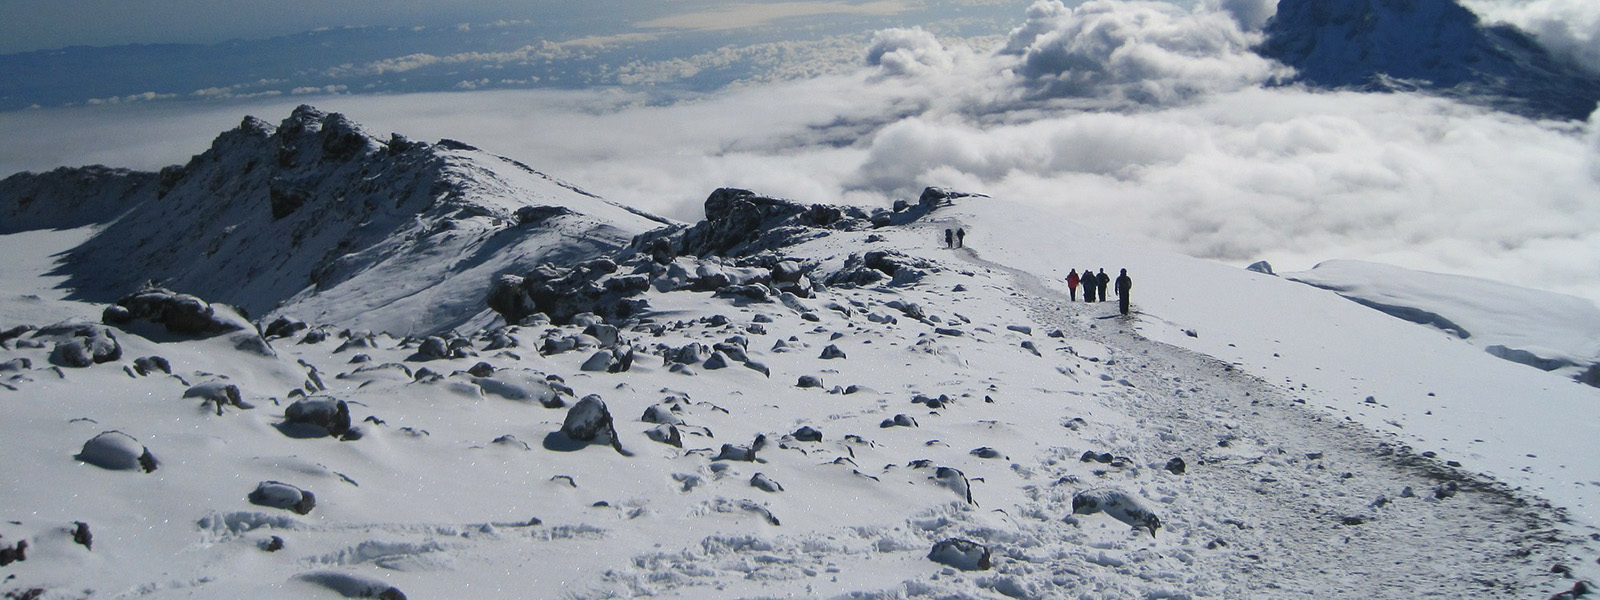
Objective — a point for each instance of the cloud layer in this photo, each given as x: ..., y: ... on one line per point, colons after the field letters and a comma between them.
x: 1138, y: 118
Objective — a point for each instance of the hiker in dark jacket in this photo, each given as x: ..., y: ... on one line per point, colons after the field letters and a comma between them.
x: 1105, y: 281
x: 949, y: 238
x: 1072, y: 284
x: 961, y: 238
x: 1124, y: 285
x: 1089, y: 284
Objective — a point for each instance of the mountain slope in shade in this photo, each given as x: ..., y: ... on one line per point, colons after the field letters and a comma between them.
x: 1433, y: 45
x: 315, y: 218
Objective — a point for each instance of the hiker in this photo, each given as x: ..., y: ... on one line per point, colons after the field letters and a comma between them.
x: 949, y: 239
x: 1089, y: 284
x: 1105, y: 281
x: 1072, y: 284
x: 961, y: 238
x: 1124, y: 285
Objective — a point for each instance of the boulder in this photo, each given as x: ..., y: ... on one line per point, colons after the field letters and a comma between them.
x: 80, y: 344
x: 219, y: 394
x: 962, y: 554
x: 762, y: 482
x: 807, y: 433
x: 667, y: 434
x: 599, y: 362
x: 146, y: 365
x: 318, y: 417
x: 118, y: 451
x: 180, y: 313
x: 1118, y: 504
x: 276, y: 494
x: 590, y: 421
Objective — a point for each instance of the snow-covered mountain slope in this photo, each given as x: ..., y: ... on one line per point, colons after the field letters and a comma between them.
x: 1553, y: 332
x: 817, y: 441
x: 1433, y: 45
x: 319, y: 218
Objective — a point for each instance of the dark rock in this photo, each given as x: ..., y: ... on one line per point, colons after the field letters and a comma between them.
x: 601, y: 361
x: 809, y: 381
x: 832, y: 352
x: 272, y: 544
x: 218, y: 394
x: 180, y: 313
x: 146, y: 365
x: 16, y: 553
x: 667, y: 434
x: 283, y: 327
x: 1176, y: 466
x: 277, y: 494
x: 589, y: 421
x: 481, y: 369
x: 807, y: 433
x: 762, y: 482
x: 434, y: 348
x: 986, y: 452
x: 318, y: 417
x: 80, y: 344
x: 900, y: 420
x: 660, y: 413
x: 962, y: 554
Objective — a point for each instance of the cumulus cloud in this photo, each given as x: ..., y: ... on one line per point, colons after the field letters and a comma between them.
x: 1145, y: 52
x: 1223, y: 169
x: 901, y: 52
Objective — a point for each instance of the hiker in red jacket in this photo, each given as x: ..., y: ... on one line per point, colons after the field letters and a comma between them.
x: 1072, y: 284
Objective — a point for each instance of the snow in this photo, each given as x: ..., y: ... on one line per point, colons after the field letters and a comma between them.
x: 1560, y: 332
x: 956, y: 421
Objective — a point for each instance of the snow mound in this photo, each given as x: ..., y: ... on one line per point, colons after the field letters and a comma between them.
x: 1549, y: 331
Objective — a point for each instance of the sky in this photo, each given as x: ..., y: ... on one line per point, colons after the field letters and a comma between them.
x: 1152, y: 120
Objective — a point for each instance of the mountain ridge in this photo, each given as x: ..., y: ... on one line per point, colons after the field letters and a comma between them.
x: 1437, y: 46
x: 305, y: 215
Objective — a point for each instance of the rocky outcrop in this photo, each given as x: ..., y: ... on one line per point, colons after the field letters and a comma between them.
x: 182, y: 314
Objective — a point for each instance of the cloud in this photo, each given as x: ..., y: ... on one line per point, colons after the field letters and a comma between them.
x: 1570, y: 28
x: 1223, y: 169
x: 1144, y: 52
x: 901, y: 52
x: 1251, y: 15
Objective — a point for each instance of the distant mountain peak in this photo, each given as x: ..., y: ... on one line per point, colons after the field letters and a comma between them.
x: 1437, y: 46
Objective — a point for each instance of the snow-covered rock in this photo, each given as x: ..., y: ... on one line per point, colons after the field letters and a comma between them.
x: 117, y: 451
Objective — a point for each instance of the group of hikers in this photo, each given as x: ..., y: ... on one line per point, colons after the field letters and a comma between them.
x: 1094, y: 286
x: 955, y: 238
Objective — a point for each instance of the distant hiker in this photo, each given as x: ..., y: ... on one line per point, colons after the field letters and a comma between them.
x: 1089, y: 285
x: 949, y: 238
x: 961, y: 237
x: 1105, y: 281
x: 1124, y: 285
x: 1072, y: 284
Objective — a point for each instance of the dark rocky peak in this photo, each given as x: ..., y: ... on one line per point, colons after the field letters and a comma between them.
x: 1437, y: 46
x: 741, y: 222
